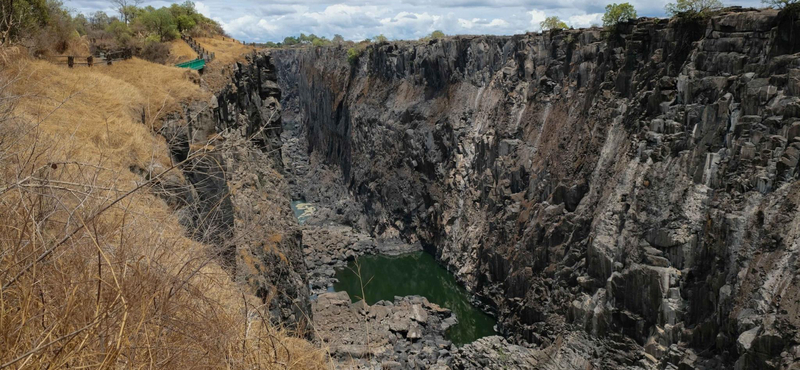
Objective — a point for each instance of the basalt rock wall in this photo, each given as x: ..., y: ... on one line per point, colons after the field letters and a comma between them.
x: 235, y: 197
x: 639, y: 185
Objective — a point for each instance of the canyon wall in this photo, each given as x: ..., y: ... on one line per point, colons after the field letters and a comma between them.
x: 233, y: 194
x: 637, y: 185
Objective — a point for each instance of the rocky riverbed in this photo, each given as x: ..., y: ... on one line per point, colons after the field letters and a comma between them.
x: 407, y: 333
x: 335, y: 232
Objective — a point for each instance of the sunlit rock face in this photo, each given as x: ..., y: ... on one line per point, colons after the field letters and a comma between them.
x: 639, y: 187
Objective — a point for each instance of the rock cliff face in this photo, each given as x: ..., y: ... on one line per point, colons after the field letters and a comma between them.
x: 639, y: 186
x: 235, y: 196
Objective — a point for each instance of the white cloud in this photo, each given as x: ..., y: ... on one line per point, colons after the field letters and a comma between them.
x: 585, y: 20
x: 346, y: 16
x: 497, y: 23
x: 258, y: 20
x: 203, y: 9
x: 407, y: 25
x: 537, y: 16
x: 280, y: 9
x: 479, y: 23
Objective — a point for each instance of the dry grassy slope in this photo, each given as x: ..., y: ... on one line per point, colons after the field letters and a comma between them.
x: 227, y: 50
x: 94, y: 275
x: 180, y: 51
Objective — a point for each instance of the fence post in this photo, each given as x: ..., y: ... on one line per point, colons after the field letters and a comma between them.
x: 108, y: 59
x: 71, y: 61
x: 90, y: 61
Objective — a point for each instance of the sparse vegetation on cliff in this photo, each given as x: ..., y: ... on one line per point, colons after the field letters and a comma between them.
x: 692, y: 7
x: 618, y: 13
x: 553, y: 23
x: 437, y: 34
x: 353, y: 54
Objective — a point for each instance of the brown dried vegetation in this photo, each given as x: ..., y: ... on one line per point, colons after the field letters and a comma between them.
x: 95, y: 270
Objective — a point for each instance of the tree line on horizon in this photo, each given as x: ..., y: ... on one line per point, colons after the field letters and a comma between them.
x: 337, y: 39
x: 623, y: 12
x: 615, y: 13
x: 45, y: 26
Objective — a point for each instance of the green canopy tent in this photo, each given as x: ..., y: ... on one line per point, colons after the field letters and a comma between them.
x: 197, y: 64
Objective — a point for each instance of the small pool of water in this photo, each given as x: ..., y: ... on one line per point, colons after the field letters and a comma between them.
x: 416, y: 274
x: 302, y: 210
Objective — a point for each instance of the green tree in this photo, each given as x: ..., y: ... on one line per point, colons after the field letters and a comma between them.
x: 553, y: 23
x: 99, y: 20
x: 161, y: 23
x: 131, y: 12
x: 289, y: 41
x: 122, y: 33
x: 437, y: 34
x: 338, y: 39
x: 24, y: 17
x: 780, y: 3
x: 320, y: 41
x: 618, y: 13
x: 124, y: 8
x: 353, y: 54
x: 186, y: 8
x: 185, y: 22
x: 80, y: 23
x: 692, y: 6
x: 60, y: 26
x: 379, y: 38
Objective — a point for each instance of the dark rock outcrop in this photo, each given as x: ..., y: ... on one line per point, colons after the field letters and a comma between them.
x: 235, y: 196
x: 639, y: 186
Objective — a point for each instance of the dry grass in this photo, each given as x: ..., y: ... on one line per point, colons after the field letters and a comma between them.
x: 227, y: 50
x: 95, y: 270
x: 180, y: 51
x: 162, y: 88
x: 78, y: 46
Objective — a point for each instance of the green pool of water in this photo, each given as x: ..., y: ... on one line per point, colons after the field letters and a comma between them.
x: 302, y: 210
x: 417, y: 274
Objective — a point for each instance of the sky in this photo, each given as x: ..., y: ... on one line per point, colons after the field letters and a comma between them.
x: 261, y: 21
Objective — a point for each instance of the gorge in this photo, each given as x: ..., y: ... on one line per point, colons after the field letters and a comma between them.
x: 623, y: 197
x: 617, y: 200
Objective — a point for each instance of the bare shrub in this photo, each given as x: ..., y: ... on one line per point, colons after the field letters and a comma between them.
x: 156, y: 52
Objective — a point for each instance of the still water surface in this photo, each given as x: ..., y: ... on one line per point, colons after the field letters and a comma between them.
x: 416, y: 274
x: 302, y: 210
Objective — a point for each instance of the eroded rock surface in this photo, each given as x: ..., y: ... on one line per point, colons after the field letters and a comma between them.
x: 638, y: 188
x: 407, y: 333
x: 233, y: 194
